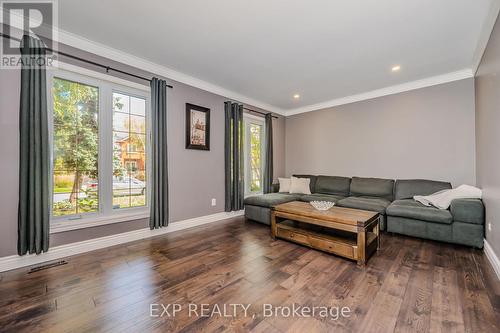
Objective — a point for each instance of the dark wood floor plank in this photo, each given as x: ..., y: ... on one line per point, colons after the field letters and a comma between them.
x: 410, y: 285
x: 415, y: 311
x: 383, y: 314
x: 489, y: 278
x: 478, y: 313
x: 265, y: 327
x: 446, y: 310
x: 366, y: 285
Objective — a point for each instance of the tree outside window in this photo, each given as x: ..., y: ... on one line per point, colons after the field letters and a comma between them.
x: 76, y: 147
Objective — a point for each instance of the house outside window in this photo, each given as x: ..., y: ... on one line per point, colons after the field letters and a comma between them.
x: 131, y: 148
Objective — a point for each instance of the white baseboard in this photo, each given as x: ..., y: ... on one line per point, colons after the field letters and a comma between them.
x: 492, y: 257
x: 12, y: 262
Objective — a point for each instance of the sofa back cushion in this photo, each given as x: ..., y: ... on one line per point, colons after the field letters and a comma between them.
x: 372, y: 187
x: 407, y: 188
x: 333, y: 185
x: 312, y: 184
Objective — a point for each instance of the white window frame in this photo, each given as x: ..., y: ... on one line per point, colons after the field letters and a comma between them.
x: 247, y: 120
x: 107, y: 86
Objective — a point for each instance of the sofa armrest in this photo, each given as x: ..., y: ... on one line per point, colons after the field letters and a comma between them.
x: 468, y: 210
x: 275, y: 188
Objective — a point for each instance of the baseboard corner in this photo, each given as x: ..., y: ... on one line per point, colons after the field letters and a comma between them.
x: 492, y: 258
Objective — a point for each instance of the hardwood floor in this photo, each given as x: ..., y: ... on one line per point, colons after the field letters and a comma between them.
x: 409, y: 285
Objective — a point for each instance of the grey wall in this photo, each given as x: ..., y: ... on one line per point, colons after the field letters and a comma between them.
x: 195, y: 176
x: 10, y: 81
x: 425, y: 133
x: 488, y: 135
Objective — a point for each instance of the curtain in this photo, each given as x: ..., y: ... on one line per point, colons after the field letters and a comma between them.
x: 233, y: 156
x: 268, y: 160
x: 159, y: 171
x: 34, y: 158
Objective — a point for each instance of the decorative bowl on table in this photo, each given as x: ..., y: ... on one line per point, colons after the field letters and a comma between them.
x: 322, y: 205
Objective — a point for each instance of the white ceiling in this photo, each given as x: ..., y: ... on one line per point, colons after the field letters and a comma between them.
x: 269, y: 50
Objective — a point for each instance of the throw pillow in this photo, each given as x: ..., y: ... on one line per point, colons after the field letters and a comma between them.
x: 300, y: 185
x: 284, y: 184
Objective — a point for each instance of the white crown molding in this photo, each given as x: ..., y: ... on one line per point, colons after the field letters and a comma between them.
x: 114, y: 54
x: 110, y: 53
x: 427, y: 82
x: 492, y: 258
x: 82, y: 43
x: 484, y: 37
x: 99, y: 49
x: 12, y: 262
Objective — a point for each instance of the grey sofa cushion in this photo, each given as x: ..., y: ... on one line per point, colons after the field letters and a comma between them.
x: 468, y: 210
x: 271, y: 199
x: 312, y: 184
x: 407, y: 188
x: 457, y: 232
x: 321, y: 197
x: 365, y: 203
x: 333, y: 185
x: 468, y: 234
x: 412, y: 209
x: 372, y: 187
x: 259, y: 214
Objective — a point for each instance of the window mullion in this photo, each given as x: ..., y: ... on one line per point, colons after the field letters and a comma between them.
x: 106, y: 150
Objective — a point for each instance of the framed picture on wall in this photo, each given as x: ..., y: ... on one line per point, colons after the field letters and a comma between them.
x: 197, y: 127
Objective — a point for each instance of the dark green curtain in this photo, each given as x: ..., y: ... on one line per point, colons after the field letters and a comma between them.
x: 159, y: 171
x: 268, y: 161
x: 34, y: 160
x: 233, y: 156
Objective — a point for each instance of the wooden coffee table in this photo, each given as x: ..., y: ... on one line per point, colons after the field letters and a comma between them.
x: 350, y: 233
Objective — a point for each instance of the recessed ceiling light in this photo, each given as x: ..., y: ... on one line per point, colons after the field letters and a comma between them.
x: 396, y: 68
x: 296, y: 96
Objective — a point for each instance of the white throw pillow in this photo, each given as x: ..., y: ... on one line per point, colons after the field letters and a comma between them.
x: 284, y: 184
x: 300, y: 185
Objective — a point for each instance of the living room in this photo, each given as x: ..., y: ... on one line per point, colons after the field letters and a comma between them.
x: 265, y: 166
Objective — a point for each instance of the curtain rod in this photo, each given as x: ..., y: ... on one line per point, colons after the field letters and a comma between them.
x: 107, y: 68
x: 259, y: 112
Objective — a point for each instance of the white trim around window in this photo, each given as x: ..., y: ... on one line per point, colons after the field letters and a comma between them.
x: 107, y: 86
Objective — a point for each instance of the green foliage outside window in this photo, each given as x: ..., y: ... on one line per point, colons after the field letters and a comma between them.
x: 76, y: 144
x: 255, y: 158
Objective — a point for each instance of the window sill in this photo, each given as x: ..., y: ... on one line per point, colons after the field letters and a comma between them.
x: 68, y: 225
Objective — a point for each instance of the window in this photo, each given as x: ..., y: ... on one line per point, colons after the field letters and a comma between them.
x: 75, y: 148
x: 131, y: 148
x: 99, y: 133
x: 131, y: 165
x: 129, y: 151
x: 253, y: 154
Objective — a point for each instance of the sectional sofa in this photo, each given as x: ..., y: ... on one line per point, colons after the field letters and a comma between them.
x: 463, y: 223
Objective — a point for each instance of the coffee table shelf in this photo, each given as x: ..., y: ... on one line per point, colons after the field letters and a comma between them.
x: 351, y: 233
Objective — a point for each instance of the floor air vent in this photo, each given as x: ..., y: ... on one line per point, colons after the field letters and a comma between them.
x: 47, y: 266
